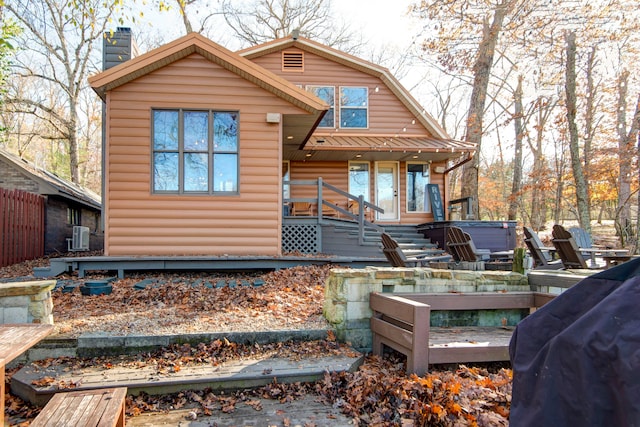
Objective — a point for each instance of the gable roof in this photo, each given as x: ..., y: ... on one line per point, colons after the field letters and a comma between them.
x: 196, y: 43
x: 51, y: 184
x: 358, y: 64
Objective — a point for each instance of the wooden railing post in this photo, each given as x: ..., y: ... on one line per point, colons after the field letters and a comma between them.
x: 319, y: 199
x: 361, y: 219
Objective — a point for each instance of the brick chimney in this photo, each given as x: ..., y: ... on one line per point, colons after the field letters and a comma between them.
x: 118, y: 47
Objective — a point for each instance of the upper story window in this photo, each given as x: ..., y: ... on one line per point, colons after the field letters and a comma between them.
x: 195, y: 152
x: 292, y: 61
x: 417, y: 180
x: 328, y: 95
x: 354, y: 107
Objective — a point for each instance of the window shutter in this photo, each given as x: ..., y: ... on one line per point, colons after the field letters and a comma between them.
x: 292, y: 61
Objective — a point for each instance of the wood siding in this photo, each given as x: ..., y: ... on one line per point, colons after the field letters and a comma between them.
x: 139, y: 222
x: 387, y: 115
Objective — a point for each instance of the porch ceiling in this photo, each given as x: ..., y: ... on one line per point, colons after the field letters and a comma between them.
x: 380, y: 147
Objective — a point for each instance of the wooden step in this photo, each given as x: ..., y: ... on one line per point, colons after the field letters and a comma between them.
x: 37, y: 385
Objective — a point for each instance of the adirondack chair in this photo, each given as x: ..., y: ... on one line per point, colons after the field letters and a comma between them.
x: 582, y: 238
x: 593, y: 251
x: 354, y: 207
x: 542, y: 255
x: 301, y: 209
x: 397, y: 258
x: 567, y: 248
x: 329, y: 210
x: 462, y: 248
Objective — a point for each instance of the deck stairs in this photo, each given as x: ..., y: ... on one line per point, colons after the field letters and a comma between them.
x: 341, y: 238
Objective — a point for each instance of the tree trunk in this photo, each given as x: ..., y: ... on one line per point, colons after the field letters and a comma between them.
x: 625, y: 158
x: 514, y: 199
x: 589, y: 114
x: 481, y: 72
x: 582, y: 199
x: 540, y: 176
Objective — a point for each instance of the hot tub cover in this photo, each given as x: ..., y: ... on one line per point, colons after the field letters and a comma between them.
x: 576, y: 361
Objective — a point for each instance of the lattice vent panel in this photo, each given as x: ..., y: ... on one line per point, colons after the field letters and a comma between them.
x: 303, y: 238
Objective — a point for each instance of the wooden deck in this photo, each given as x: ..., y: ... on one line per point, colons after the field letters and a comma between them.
x: 121, y: 264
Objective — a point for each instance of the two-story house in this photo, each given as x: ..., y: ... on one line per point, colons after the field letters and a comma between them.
x: 207, y: 150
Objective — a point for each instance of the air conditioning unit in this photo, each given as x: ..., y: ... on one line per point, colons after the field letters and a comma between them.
x: 80, y: 239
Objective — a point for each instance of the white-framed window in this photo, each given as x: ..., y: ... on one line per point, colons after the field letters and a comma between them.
x: 286, y: 176
x: 195, y: 151
x: 354, y: 107
x: 417, y: 180
x: 328, y: 95
x: 359, y: 179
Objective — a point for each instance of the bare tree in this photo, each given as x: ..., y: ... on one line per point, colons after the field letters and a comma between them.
x: 8, y: 32
x: 582, y: 198
x: 517, y: 160
x: 260, y: 21
x: 203, y: 11
x: 61, y: 37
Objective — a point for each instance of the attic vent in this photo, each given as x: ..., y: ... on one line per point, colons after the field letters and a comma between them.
x: 292, y: 61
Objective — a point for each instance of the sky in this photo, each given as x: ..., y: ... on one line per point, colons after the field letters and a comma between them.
x: 381, y: 21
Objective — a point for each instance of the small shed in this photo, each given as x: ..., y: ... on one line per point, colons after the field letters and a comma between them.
x: 68, y: 206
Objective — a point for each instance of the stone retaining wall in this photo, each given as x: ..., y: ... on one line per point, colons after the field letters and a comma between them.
x: 27, y: 302
x: 346, y: 303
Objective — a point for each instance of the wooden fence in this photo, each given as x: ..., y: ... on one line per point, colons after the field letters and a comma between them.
x: 21, y: 226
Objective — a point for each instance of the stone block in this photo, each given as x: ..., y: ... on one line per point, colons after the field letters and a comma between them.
x: 395, y: 273
x: 442, y: 274
x: 359, y: 290
x: 15, y: 301
x: 100, y: 340
x: 360, y: 339
x: 145, y: 341
x: 37, y: 310
x: 41, y: 296
x: 468, y: 275
x: 45, y: 353
x: 334, y: 312
x: 16, y: 315
x: 358, y: 324
x: 26, y: 288
x: 358, y: 310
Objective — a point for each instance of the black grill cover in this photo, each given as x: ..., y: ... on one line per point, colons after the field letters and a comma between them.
x: 576, y: 361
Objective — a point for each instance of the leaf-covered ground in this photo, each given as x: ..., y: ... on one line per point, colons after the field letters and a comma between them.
x: 378, y: 394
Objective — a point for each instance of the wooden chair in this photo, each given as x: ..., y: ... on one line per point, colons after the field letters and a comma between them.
x: 301, y: 209
x: 354, y: 207
x: 462, y: 248
x: 582, y: 238
x: 567, y: 248
x: 397, y: 258
x: 588, y: 249
x: 542, y: 255
x: 328, y: 210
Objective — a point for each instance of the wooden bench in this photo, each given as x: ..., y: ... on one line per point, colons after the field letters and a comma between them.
x: 402, y: 322
x: 88, y: 408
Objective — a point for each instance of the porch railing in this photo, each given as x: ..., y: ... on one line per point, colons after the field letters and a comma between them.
x: 359, y: 217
